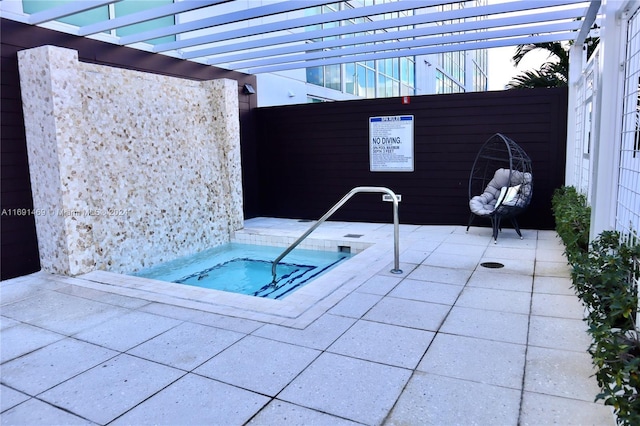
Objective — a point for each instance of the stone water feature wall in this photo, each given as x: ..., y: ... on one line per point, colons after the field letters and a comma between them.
x: 128, y: 169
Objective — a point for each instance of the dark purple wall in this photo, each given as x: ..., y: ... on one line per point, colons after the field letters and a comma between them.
x: 311, y: 155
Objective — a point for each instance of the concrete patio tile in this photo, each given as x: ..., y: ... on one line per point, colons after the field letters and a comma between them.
x: 476, y: 236
x: 9, y: 398
x: 170, y: 311
x: 559, y: 333
x: 357, y: 390
x: 352, y: 363
x: 257, y: 364
x: 405, y: 267
x: 427, y: 291
x: 104, y: 297
x: 430, y: 399
x: 383, y: 343
x: 7, y: 322
x: 408, y: 313
x: 21, y: 288
x: 283, y: 413
x: 355, y: 305
x: 414, y: 255
x: 196, y: 400
x: 560, y: 373
x: 23, y: 338
x: 511, y: 266
x: 538, y: 409
x: 553, y: 285
x: 547, y: 234
x: 478, y: 360
x: 440, y: 275
x: 469, y: 250
x: 61, y: 313
x: 557, y: 305
x: 43, y: 369
x: 509, y: 238
x: 379, y: 284
x: 435, y: 233
x: 240, y: 325
x: 491, y: 325
x: 318, y: 335
x: 186, y: 346
x: 511, y: 253
x: 487, y: 278
x: 448, y: 260
x: 551, y: 255
x: 36, y: 413
x: 552, y: 269
x: 553, y: 242
x: 129, y: 330
x: 111, y: 388
x: 495, y: 300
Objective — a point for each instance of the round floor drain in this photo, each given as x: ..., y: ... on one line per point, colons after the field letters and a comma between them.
x: 492, y: 265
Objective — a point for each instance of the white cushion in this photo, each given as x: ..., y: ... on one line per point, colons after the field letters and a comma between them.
x: 511, y: 197
x: 500, y: 199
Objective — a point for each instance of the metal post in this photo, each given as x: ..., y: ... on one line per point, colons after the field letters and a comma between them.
x: 396, y: 227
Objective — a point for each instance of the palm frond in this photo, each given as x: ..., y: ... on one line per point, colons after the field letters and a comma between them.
x: 533, y: 79
x: 555, y: 50
x: 553, y: 73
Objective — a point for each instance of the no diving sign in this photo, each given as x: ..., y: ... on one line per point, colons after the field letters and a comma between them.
x: 391, y: 143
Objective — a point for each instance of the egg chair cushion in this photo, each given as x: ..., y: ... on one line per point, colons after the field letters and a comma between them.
x: 519, y: 193
x: 485, y: 203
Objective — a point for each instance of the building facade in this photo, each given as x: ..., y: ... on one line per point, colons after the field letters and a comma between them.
x: 438, y: 73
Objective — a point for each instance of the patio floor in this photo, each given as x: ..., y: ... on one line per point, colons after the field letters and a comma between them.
x: 446, y: 342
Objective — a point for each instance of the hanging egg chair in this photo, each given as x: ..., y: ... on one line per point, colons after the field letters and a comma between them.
x: 500, y: 183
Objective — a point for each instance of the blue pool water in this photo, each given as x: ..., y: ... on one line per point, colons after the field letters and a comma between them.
x: 246, y: 269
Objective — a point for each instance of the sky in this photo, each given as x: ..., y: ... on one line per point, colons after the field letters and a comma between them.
x: 502, y: 70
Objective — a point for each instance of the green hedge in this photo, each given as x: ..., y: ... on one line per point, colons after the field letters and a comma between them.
x: 603, y: 274
x: 572, y: 217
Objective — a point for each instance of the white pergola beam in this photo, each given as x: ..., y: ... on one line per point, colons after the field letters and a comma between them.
x: 290, y: 24
x: 282, y: 45
x: 588, y: 21
x: 409, y: 44
x: 484, y: 24
x: 67, y: 9
x: 417, y: 19
x: 489, y: 44
x: 228, y: 18
x: 147, y: 15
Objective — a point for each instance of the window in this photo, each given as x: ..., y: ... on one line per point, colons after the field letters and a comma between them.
x: 445, y: 84
x: 332, y: 77
x: 127, y: 7
x: 382, y: 78
x: 79, y: 19
x: 479, y: 70
x: 122, y: 8
x: 315, y: 76
x: 453, y: 66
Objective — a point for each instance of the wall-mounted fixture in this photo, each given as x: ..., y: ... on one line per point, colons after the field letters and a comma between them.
x: 248, y: 89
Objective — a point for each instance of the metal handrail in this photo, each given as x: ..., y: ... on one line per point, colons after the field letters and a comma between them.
x: 396, y: 250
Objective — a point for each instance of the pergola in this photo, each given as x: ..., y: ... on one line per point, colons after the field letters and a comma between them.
x: 264, y: 36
